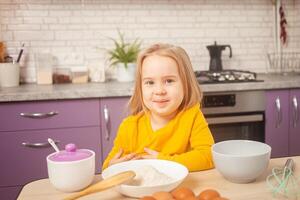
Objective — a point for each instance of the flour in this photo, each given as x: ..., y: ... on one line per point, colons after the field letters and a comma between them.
x: 148, y: 176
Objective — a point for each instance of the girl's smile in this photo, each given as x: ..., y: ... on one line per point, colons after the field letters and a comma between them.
x: 161, y: 103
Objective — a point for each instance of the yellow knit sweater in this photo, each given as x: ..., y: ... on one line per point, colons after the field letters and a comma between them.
x: 186, y: 139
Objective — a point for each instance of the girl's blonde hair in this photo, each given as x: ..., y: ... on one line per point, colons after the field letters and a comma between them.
x: 192, y: 92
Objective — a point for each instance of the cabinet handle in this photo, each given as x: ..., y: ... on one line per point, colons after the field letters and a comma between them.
x: 39, y: 115
x: 295, y: 111
x: 279, y: 114
x: 38, y: 145
x: 106, y: 119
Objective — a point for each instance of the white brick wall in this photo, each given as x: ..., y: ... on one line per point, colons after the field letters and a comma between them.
x: 74, y: 30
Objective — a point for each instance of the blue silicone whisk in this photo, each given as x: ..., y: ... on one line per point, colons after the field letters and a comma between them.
x: 282, y: 181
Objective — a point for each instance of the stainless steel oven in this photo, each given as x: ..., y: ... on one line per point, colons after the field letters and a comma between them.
x: 235, y: 115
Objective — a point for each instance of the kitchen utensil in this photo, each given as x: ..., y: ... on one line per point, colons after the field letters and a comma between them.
x: 215, y: 52
x: 71, y: 169
x: 241, y: 161
x: 104, y: 184
x: 282, y: 181
x: 174, y: 170
x: 2, y: 52
x: 20, y: 53
x: 53, y: 144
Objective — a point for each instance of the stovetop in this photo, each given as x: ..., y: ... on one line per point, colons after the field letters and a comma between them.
x: 226, y: 76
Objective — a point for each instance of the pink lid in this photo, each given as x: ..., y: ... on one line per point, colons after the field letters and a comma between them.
x: 70, y: 154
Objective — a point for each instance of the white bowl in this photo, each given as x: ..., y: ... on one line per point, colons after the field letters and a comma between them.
x: 71, y: 176
x: 241, y: 161
x: 172, y: 169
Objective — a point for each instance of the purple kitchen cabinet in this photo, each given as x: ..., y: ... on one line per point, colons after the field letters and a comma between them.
x: 22, y: 163
x: 277, y: 122
x: 25, y: 128
x: 7, y: 193
x: 294, y: 139
x: 283, y: 122
x: 113, y: 111
x: 49, y: 114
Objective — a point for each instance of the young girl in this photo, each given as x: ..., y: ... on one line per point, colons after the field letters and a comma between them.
x: 166, y: 121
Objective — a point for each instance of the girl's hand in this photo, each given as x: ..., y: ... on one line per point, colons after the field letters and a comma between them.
x: 151, y: 154
x: 117, y: 158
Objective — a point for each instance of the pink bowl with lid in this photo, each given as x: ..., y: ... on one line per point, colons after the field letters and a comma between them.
x: 72, y: 169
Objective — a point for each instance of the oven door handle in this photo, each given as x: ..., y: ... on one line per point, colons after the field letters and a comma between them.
x: 234, y: 119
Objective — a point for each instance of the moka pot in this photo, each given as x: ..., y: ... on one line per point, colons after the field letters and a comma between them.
x: 215, y: 52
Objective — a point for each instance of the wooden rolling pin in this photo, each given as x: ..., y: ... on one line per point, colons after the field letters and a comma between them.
x: 104, y: 184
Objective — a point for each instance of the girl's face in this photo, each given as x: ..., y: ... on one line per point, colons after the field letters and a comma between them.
x: 162, y: 87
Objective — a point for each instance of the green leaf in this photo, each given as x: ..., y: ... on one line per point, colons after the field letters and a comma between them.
x: 124, y: 52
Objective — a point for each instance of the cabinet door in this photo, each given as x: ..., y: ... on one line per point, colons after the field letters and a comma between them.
x: 21, y: 164
x: 113, y: 111
x: 277, y: 122
x: 10, y: 193
x: 294, y: 139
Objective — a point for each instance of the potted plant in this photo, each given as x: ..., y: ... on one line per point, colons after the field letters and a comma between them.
x: 123, y: 57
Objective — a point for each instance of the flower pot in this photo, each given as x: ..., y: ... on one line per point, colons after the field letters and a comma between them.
x: 124, y: 74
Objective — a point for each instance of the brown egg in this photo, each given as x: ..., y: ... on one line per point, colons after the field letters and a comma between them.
x: 162, y: 195
x: 208, y: 194
x: 182, y: 193
x: 220, y: 198
x: 191, y: 198
x: 147, y: 198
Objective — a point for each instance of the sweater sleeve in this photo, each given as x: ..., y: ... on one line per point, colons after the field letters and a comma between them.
x: 199, y: 156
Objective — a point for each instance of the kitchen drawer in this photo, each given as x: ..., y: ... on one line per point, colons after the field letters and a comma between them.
x: 21, y: 164
x: 10, y: 193
x: 70, y: 113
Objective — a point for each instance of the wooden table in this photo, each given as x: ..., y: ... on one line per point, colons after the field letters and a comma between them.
x: 198, y: 181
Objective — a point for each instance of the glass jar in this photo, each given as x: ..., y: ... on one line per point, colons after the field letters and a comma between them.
x: 96, y: 71
x: 43, y: 63
x: 62, y: 75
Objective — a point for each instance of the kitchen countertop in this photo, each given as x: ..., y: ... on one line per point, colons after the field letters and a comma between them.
x: 31, y: 92
x: 197, y: 181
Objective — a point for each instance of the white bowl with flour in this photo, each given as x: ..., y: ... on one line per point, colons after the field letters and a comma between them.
x: 152, y: 175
